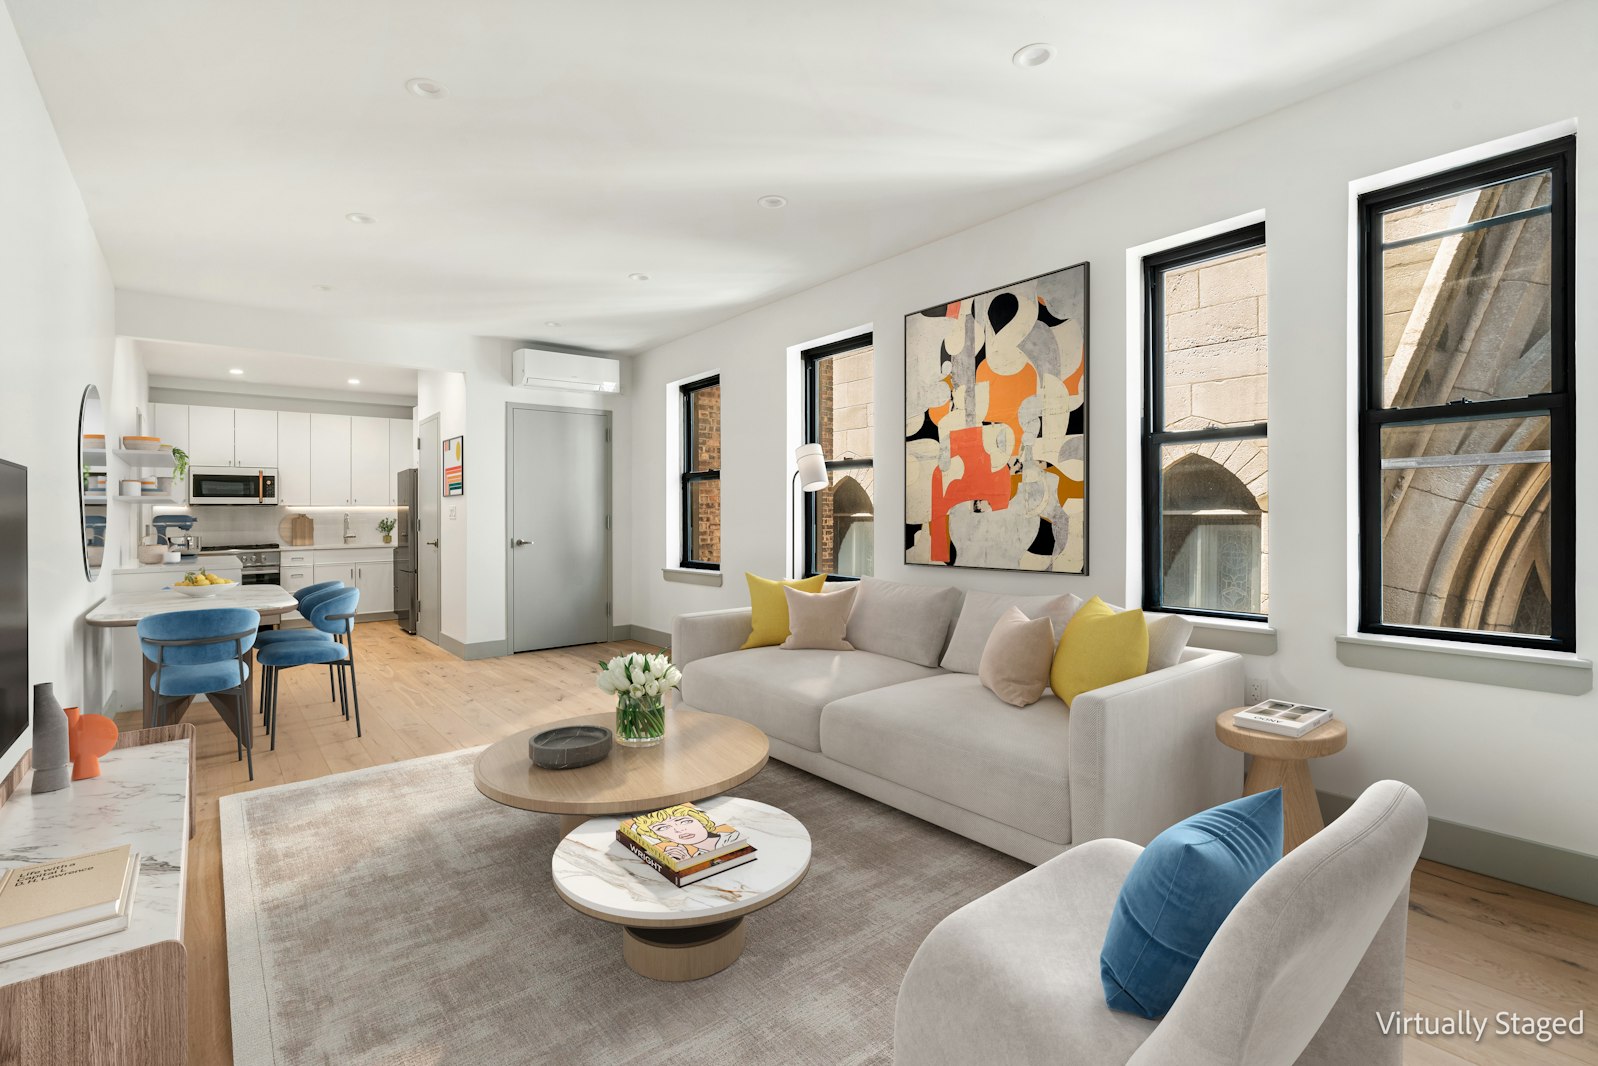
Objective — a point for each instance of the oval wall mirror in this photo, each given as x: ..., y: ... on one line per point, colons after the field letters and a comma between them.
x: 92, y: 488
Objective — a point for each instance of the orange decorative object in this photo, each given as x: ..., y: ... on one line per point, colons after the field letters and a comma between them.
x: 92, y: 735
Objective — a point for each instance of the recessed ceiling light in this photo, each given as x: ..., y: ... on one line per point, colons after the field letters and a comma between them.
x: 235, y: 370
x: 359, y: 219
x: 426, y: 88
x: 1033, y: 55
x: 355, y: 381
x: 773, y: 201
x: 638, y: 277
x: 322, y: 288
x: 552, y: 325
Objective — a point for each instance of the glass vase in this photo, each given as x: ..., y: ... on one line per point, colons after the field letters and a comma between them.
x: 640, y: 722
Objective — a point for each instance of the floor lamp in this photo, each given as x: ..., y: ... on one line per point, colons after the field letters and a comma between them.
x: 810, y: 476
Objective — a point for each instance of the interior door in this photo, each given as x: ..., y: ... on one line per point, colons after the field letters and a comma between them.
x: 558, y: 517
x: 429, y: 490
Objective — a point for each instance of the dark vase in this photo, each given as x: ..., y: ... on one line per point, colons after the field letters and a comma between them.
x: 52, y: 744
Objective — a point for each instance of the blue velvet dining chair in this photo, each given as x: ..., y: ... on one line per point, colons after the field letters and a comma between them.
x: 201, y: 653
x: 333, y: 615
x: 308, y: 594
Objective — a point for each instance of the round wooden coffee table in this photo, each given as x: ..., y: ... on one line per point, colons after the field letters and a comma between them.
x: 681, y: 934
x: 1283, y: 762
x: 701, y: 755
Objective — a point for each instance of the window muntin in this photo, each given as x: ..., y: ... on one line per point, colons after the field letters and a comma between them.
x: 701, y: 475
x: 840, y: 416
x: 1205, y: 458
x: 1467, y: 431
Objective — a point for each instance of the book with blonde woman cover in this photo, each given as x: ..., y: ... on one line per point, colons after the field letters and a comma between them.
x: 683, y: 837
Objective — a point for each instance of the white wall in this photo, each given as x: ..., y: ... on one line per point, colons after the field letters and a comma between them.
x: 56, y: 337
x: 1502, y: 759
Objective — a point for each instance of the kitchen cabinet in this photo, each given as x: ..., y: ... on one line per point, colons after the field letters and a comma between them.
x: 210, y: 436
x: 369, y: 469
x: 293, y: 457
x: 170, y: 422
x: 371, y: 570
x: 254, y: 438
x: 376, y: 582
x: 330, y: 460
x: 401, y: 453
x: 232, y: 436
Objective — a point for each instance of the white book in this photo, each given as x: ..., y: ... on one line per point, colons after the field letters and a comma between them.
x: 1282, y: 718
x: 88, y: 930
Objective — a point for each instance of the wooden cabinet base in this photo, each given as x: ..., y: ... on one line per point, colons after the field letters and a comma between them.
x: 685, y: 953
x: 126, y: 1010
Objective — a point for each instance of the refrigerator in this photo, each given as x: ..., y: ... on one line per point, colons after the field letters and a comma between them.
x: 405, y: 586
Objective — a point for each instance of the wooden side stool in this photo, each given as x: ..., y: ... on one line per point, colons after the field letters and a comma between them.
x: 1283, y: 762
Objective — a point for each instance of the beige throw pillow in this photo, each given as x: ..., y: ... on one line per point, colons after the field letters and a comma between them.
x: 1168, y: 637
x: 818, y: 619
x: 1016, y: 659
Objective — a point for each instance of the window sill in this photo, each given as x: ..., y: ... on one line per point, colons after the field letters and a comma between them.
x: 1232, y: 634
x: 688, y: 575
x: 1482, y: 664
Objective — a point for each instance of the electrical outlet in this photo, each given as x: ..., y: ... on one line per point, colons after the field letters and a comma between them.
x: 1254, y: 690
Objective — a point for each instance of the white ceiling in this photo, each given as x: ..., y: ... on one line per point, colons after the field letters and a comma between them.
x: 182, y: 365
x: 219, y: 143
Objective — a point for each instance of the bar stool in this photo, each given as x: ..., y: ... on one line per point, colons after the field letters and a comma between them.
x: 201, y: 653
x: 333, y: 615
x: 272, y: 636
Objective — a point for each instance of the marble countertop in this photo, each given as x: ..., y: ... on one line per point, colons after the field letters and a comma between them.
x: 178, y: 568
x: 337, y: 547
x: 141, y: 798
x: 591, y: 869
x: 128, y: 608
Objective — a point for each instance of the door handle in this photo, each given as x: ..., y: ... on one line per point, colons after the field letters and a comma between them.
x: 519, y: 543
x: 432, y: 544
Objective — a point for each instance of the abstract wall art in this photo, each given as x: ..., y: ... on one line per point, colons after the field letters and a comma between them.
x: 995, y: 451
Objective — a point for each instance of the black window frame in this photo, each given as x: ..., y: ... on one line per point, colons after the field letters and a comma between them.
x: 690, y: 476
x: 811, y: 359
x: 1559, y: 404
x: 1155, y: 435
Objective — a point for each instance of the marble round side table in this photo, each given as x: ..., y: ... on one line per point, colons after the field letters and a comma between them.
x: 681, y: 934
x: 1283, y: 762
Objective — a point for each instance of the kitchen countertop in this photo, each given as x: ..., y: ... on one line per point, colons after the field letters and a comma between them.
x: 210, y: 562
x: 335, y: 547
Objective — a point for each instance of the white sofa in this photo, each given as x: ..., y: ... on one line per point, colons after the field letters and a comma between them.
x: 1124, y: 761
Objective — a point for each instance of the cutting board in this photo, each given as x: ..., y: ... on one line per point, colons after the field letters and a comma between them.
x: 302, y: 530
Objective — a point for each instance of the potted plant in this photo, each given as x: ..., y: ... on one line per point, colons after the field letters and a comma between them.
x: 180, y: 464
x: 385, y: 526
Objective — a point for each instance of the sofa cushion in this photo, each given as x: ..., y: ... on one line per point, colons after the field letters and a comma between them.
x: 909, y: 622
x: 768, y: 608
x: 1177, y: 895
x: 818, y: 619
x: 1168, y: 637
x: 1015, y: 663
x: 1100, y: 647
x: 950, y: 738
x: 783, y: 691
x: 981, y: 612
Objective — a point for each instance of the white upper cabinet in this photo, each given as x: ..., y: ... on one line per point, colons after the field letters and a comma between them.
x: 254, y: 438
x: 170, y: 422
x: 401, y: 453
x: 369, y: 461
x: 211, y: 436
x: 294, y: 457
x: 330, y: 460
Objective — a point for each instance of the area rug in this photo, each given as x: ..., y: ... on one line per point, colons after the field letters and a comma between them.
x: 394, y: 915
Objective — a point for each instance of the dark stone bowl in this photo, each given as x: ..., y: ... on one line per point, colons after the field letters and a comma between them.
x: 569, y: 746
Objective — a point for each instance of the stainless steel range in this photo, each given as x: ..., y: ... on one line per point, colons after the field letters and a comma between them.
x: 262, y: 562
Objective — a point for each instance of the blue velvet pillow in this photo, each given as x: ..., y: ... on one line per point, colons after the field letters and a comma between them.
x: 1177, y: 895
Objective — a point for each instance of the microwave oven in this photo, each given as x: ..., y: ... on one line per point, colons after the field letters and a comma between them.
x: 236, y: 485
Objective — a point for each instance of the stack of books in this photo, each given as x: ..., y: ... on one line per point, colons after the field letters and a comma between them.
x: 53, y: 904
x: 684, y: 844
x: 1283, y: 718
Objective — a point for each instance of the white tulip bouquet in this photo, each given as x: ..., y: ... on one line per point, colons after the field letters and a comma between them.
x: 639, y: 683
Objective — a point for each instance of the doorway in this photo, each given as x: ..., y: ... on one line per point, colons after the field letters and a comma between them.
x: 429, y: 492
x: 557, y: 513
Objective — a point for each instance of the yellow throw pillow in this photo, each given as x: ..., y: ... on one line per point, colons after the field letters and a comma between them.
x: 769, y: 608
x: 1099, y: 647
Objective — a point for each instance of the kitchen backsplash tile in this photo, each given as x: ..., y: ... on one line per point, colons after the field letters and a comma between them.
x: 268, y: 525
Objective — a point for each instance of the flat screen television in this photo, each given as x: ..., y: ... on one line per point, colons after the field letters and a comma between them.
x: 14, y: 690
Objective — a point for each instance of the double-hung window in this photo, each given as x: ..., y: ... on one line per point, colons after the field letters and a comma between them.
x: 1205, y: 459
x: 839, y: 416
x: 1467, y: 432
x: 701, y: 474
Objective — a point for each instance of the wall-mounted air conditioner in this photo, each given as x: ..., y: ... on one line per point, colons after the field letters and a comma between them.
x: 532, y: 368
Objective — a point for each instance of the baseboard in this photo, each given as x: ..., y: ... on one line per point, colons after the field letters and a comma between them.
x: 1521, y: 862
x: 642, y: 634
x: 484, y: 649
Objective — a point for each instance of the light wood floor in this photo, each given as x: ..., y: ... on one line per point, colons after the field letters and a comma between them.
x: 1474, y: 943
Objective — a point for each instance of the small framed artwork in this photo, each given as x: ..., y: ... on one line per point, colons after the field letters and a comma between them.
x: 455, y: 466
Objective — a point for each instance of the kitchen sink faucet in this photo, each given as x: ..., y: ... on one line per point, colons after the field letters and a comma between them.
x: 349, y: 534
